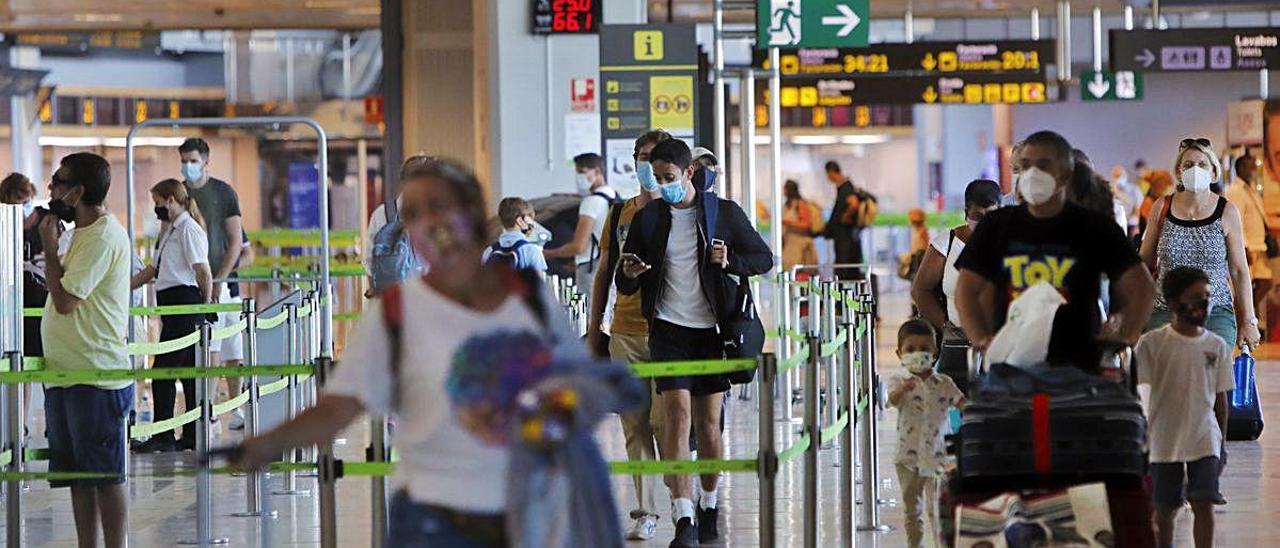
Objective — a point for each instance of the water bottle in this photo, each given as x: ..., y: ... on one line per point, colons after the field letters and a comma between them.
x: 144, y: 411
x: 1242, y: 396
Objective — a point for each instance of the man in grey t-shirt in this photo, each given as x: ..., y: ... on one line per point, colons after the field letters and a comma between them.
x: 220, y: 207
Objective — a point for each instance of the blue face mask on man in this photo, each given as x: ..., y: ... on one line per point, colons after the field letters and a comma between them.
x: 644, y: 172
x: 674, y: 192
x: 192, y: 171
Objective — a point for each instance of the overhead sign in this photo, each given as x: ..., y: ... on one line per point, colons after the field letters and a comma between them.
x: 946, y: 90
x: 918, y: 59
x: 650, y: 75
x: 566, y: 16
x: 15, y: 81
x: 1195, y: 49
x: 77, y: 42
x: 793, y: 24
x: 1124, y: 85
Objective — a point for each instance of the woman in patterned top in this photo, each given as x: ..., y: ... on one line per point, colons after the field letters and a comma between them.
x: 1197, y: 228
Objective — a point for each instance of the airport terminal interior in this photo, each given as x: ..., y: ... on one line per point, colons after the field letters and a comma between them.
x: 607, y: 273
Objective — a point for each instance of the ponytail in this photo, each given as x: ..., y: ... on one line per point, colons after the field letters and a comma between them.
x: 193, y: 209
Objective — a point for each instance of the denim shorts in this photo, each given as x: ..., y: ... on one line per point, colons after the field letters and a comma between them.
x: 87, y: 432
x: 418, y: 524
x: 1178, y: 482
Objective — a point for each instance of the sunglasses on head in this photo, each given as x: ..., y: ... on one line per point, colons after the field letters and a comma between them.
x: 1188, y: 143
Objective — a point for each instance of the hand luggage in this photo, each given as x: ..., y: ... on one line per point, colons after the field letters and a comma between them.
x: 1244, y: 419
x: 1024, y: 423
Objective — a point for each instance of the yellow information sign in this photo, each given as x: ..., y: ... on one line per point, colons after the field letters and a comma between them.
x: 670, y: 102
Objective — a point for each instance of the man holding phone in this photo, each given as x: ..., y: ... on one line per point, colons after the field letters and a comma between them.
x: 670, y: 261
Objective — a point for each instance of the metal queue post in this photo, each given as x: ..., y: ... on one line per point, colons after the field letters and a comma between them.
x: 784, y: 340
x: 812, y: 424
x: 290, y: 487
x: 868, y: 438
x: 828, y: 320
x: 253, y: 480
x: 849, y: 409
x: 11, y: 219
x: 204, y: 439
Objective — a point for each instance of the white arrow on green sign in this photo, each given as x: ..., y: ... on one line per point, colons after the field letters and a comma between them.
x: 791, y: 24
x: 1123, y: 85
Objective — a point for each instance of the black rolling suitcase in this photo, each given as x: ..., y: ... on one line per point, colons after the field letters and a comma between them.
x: 1050, y: 422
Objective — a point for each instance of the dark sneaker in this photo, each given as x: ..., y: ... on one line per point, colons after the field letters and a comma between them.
x: 186, y: 445
x: 708, y: 524
x: 155, y: 445
x: 686, y: 534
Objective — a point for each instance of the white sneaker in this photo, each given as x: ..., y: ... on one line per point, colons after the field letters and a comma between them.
x: 236, y: 422
x: 644, y: 528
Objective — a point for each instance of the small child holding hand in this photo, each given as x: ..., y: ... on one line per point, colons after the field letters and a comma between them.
x: 923, y: 398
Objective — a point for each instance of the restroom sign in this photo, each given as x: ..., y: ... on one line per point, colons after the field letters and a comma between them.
x: 582, y: 94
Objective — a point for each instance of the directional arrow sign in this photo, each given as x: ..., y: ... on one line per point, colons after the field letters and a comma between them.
x: 792, y: 24
x: 847, y: 20
x: 1098, y: 86
x: 1146, y: 58
x: 1123, y: 85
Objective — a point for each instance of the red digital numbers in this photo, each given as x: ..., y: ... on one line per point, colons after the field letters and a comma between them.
x: 572, y: 16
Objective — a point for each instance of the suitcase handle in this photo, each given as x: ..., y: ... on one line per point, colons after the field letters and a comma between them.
x: 976, y: 365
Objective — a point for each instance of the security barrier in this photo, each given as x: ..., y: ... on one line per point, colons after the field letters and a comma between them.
x: 833, y: 353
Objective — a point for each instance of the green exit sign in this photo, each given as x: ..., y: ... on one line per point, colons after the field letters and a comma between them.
x: 792, y: 24
x: 1121, y: 85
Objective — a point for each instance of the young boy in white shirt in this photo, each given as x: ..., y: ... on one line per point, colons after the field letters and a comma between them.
x: 923, y: 398
x: 1189, y: 371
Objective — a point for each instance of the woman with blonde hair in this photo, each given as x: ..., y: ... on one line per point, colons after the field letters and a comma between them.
x: 1196, y: 228
x: 181, y: 273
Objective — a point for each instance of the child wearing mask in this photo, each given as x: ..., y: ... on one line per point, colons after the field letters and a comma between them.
x: 518, y: 245
x: 923, y: 398
x: 1189, y: 371
x: 182, y: 276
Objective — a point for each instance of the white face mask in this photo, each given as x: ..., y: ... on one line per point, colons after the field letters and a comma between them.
x: 583, y: 182
x: 1196, y: 179
x: 917, y: 362
x: 1036, y: 186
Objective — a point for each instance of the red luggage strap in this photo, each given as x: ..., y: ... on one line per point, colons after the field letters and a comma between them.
x: 1040, y: 437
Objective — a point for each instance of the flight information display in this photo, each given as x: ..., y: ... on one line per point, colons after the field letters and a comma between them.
x: 566, y: 16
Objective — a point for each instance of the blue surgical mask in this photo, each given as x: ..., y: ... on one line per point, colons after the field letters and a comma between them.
x: 673, y: 193
x: 644, y: 172
x: 192, y: 172
x: 27, y: 208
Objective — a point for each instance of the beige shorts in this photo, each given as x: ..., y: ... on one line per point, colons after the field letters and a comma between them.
x: 232, y: 348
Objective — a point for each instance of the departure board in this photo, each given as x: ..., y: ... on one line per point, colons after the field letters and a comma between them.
x: 918, y: 59
x: 566, y: 16
x: 944, y: 90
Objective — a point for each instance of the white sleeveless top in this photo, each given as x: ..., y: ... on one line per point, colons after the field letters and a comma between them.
x: 950, y: 247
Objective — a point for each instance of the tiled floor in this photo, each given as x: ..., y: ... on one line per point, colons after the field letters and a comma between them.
x: 163, y: 508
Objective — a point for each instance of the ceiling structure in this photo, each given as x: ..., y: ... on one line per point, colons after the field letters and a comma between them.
x: 91, y: 15
x: 701, y: 10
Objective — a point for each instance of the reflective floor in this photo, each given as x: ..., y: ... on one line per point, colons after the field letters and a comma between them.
x: 164, y: 513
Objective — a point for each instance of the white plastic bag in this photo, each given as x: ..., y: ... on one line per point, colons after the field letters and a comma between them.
x: 1024, y: 339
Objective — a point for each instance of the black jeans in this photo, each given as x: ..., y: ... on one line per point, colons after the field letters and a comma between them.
x: 176, y: 327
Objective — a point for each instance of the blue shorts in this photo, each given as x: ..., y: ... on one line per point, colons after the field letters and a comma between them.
x: 417, y: 524
x: 1177, y: 482
x: 87, y: 432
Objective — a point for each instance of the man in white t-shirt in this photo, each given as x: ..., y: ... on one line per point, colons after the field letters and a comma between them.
x: 597, y: 196
x: 1189, y: 371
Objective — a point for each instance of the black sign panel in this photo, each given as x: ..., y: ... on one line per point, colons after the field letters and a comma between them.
x: 918, y: 59
x: 15, y: 81
x: 1195, y: 49
x: 945, y: 90
x: 566, y: 16
x: 76, y: 42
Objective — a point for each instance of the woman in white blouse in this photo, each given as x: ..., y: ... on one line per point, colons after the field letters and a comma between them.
x: 181, y: 274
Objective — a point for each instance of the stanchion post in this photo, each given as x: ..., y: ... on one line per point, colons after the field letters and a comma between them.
x: 204, y: 439
x: 848, y: 403
x: 13, y: 493
x: 869, y: 513
x: 784, y: 338
x: 328, y: 471
x: 377, y: 452
x: 829, y: 334
x: 253, y: 480
x: 291, y: 352
x: 812, y: 424
x: 767, y: 467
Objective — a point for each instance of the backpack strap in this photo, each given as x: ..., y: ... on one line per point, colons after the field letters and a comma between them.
x: 1164, y: 213
x: 392, y: 301
x: 711, y: 211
